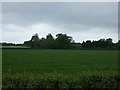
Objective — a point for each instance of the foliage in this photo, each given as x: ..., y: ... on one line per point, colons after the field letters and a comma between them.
x: 63, y: 41
x: 10, y: 44
x: 59, y: 80
x: 66, y: 42
x: 60, y: 69
x: 100, y: 44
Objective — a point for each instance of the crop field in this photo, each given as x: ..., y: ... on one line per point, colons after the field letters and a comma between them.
x: 66, y: 61
x: 58, y: 62
x: 13, y: 47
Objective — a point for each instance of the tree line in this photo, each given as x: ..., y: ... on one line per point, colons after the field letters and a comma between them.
x: 10, y: 44
x: 63, y: 41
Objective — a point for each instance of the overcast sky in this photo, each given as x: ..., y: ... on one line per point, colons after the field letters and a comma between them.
x: 82, y: 21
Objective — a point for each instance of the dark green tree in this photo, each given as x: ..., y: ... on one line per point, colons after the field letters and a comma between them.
x: 35, y: 41
x: 87, y: 44
x: 42, y: 43
x: 109, y: 43
x: 50, y: 42
x: 63, y: 41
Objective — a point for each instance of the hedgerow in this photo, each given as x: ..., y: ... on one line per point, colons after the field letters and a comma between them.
x: 59, y: 80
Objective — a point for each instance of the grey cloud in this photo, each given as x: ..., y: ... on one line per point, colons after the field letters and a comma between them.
x: 72, y: 18
x: 89, y: 14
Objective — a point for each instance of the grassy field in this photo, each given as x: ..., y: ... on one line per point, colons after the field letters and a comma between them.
x: 66, y: 61
x: 13, y: 47
x: 59, y: 68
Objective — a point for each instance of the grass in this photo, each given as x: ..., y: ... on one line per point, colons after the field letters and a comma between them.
x: 59, y: 80
x: 67, y: 61
x: 64, y: 68
x: 13, y: 47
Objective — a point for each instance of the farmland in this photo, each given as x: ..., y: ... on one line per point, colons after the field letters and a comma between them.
x: 39, y: 61
x: 13, y: 47
x: 56, y: 62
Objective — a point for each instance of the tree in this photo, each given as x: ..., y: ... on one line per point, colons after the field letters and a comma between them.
x: 109, y: 43
x: 50, y: 41
x: 117, y: 45
x: 35, y: 37
x: 87, y: 44
x: 101, y: 43
x: 42, y: 43
x: 27, y: 43
x: 35, y: 41
x: 63, y: 41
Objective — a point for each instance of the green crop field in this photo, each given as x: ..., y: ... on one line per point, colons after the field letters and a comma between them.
x: 13, y: 47
x: 68, y: 62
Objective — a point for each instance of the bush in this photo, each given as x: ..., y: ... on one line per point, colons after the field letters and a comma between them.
x: 59, y: 80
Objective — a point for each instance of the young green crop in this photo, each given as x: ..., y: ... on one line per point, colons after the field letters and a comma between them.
x: 66, y: 61
x: 30, y: 68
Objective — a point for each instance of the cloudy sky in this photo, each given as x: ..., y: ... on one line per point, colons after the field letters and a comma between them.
x: 81, y: 20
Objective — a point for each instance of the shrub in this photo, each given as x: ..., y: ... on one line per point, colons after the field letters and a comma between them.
x: 59, y: 80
